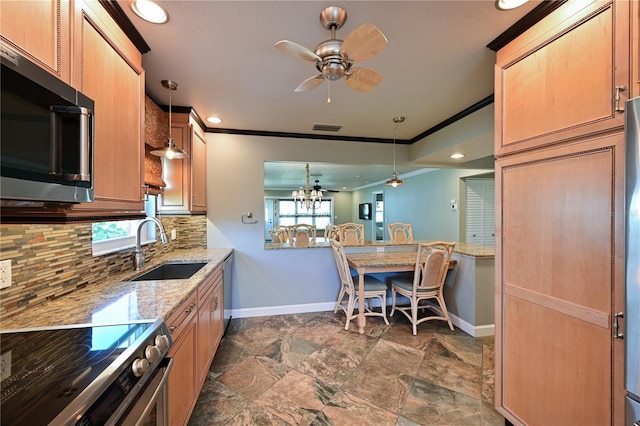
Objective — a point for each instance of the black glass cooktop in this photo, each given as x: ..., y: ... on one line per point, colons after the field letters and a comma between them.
x: 44, y: 370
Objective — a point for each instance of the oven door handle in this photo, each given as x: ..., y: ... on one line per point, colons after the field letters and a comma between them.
x: 159, y: 389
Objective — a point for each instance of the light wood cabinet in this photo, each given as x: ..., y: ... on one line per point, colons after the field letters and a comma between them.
x: 183, y: 389
x: 186, y: 191
x: 559, y: 80
x: 209, y: 322
x: 50, y: 45
x: 559, y: 217
x: 196, y: 327
x: 109, y: 70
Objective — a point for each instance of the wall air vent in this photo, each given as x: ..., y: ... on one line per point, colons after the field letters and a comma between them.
x: 326, y: 128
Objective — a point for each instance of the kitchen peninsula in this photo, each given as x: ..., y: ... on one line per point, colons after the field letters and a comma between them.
x: 469, y: 288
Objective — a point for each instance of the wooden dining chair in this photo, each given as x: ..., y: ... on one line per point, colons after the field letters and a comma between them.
x: 352, y: 234
x: 332, y: 232
x: 302, y: 234
x: 400, y: 233
x: 373, y: 288
x: 432, y: 263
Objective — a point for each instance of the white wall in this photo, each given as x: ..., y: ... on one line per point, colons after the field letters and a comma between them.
x: 235, y: 176
x: 279, y: 281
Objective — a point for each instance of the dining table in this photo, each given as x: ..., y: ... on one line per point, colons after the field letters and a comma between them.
x: 380, y: 262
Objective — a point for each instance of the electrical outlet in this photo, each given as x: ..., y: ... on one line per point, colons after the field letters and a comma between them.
x: 5, y: 273
x: 5, y: 365
x: 173, y: 234
x: 379, y: 249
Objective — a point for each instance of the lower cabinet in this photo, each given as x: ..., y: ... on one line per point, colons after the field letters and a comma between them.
x: 196, y: 328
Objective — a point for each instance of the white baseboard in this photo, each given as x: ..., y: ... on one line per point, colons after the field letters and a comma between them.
x: 473, y: 330
x: 282, y: 310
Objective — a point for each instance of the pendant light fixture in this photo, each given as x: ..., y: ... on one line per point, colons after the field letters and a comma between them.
x: 170, y: 151
x: 394, y: 181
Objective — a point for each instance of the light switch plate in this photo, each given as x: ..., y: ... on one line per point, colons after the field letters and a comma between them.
x: 5, y: 273
x: 5, y: 365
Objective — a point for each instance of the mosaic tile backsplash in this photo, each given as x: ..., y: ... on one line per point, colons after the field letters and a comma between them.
x: 48, y: 261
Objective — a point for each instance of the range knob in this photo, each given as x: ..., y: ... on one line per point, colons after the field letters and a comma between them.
x: 162, y: 342
x: 152, y: 353
x: 139, y: 366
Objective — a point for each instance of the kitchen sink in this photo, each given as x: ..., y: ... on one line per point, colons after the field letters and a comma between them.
x: 171, y: 271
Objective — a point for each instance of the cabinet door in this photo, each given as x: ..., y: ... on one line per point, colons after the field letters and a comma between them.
x: 559, y: 279
x: 182, y: 379
x: 175, y: 173
x: 558, y: 80
x: 205, y: 334
x: 109, y: 71
x: 217, y: 314
x: 198, y: 171
x: 480, y: 211
x: 50, y: 45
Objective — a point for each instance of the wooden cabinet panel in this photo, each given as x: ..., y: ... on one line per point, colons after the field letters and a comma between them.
x: 186, y: 191
x: 558, y: 82
x: 50, y: 45
x: 198, y: 171
x: 175, y: 173
x: 109, y: 71
x: 205, y: 332
x: 559, y: 281
x: 183, y: 388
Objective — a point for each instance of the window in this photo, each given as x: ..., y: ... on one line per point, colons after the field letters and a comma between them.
x: 290, y: 212
x: 109, y: 237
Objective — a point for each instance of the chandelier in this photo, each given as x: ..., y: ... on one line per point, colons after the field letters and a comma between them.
x: 308, y: 197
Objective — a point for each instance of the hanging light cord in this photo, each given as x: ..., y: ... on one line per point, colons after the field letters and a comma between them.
x: 396, y: 120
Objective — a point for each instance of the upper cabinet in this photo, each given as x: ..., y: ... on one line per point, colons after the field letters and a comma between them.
x: 80, y: 43
x: 186, y: 179
x: 567, y: 76
x: 50, y: 45
x: 108, y: 69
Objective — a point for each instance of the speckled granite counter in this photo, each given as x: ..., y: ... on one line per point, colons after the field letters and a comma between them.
x: 119, y: 300
x: 468, y: 249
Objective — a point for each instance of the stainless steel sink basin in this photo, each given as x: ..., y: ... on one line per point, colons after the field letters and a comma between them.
x: 171, y: 271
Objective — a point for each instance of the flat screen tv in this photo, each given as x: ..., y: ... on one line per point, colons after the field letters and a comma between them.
x: 364, y: 211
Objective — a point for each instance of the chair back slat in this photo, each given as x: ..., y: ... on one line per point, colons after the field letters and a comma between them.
x: 341, y: 263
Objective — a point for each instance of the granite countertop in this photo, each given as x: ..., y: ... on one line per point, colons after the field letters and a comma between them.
x: 467, y: 249
x: 119, y: 300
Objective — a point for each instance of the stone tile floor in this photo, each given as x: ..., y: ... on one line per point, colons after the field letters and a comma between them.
x: 305, y: 369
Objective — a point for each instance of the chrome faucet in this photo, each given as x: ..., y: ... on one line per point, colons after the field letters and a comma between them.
x: 138, y: 254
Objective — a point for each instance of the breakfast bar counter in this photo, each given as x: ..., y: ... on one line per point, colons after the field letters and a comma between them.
x: 119, y: 300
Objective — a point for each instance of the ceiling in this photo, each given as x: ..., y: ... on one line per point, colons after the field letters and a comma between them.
x: 222, y: 55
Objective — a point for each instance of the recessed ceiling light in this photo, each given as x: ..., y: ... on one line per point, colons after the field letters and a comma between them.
x: 214, y: 120
x: 149, y: 10
x: 456, y: 156
x: 509, y: 4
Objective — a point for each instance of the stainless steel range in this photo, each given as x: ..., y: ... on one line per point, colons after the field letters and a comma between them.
x: 86, y: 374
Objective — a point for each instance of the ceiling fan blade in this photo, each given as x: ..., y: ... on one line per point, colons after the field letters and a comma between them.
x: 363, y: 43
x: 297, y: 50
x: 362, y: 79
x: 310, y: 83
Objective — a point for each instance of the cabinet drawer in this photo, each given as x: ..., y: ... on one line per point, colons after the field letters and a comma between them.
x: 179, y: 320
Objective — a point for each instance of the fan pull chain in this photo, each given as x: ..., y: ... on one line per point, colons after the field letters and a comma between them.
x: 328, y: 91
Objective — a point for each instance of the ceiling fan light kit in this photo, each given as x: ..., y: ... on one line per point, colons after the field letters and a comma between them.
x: 334, y: 58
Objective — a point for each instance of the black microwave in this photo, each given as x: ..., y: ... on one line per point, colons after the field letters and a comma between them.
x: 46, y: 141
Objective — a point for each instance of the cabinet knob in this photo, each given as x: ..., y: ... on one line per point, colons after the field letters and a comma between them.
x: 619, y: 89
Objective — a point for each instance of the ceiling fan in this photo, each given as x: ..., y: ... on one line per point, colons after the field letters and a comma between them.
x: 334, y: 58
x: 317, y: 187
